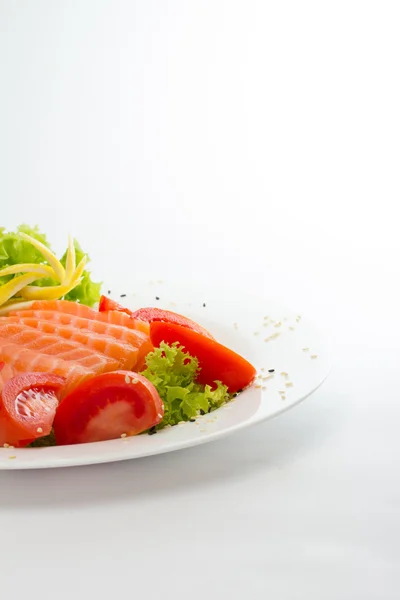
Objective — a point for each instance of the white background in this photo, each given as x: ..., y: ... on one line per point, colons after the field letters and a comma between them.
x: 253, y: 144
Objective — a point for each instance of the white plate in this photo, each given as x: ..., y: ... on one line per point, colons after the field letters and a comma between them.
x: 284, y: 342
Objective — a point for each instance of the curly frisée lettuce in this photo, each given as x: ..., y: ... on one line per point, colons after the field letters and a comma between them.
x: 173, y: 372
x: 15, y: 250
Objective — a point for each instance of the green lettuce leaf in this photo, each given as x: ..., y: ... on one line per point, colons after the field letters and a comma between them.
x: 173, y: 372
x: 43, y: 442
x: 15, y: 250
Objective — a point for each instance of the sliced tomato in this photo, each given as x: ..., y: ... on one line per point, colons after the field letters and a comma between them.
x: 109, y: 304
x: 108, y: 406
x: 151, y: 314
x: 217, y: 362
x: 27, y: 407
x: 157, y: 314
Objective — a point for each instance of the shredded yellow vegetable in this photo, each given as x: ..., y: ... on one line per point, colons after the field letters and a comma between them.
x: 19, y: 288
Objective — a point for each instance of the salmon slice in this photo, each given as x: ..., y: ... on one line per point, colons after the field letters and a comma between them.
x: 33, y: 339
x: 6, y: 373
x: 124, y: 352
x: 24, y: 360
x: 137, y: 339
x: 113, y: 317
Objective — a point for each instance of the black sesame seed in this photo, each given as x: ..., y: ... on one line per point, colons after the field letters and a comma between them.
x: 271, y: 370
x: 202, y: 412
x: 152, y: 430
x: 192, y: 420
x: 122, y: 295
x: 109, y: 292
x: 239, y: 392
x: 157, y: 297
x: 204, y: 304
x: 209, y: 410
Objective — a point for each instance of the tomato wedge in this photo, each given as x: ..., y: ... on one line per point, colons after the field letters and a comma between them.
x: 157, y: 314
x: 217, y: 362
x: 27, y: 407
x: 151, y: 314
x: 109, y: 304
x: 108, y: 406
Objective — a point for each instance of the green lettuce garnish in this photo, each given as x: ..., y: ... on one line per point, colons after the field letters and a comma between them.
x: 44, y: 442
x: 14, y: 250
x: 173, y: 372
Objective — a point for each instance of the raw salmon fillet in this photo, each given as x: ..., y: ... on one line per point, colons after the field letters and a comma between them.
x: 125, y: 353
x: 135, y: 338
x: 113, y: 317
x: 24, y: 360
x: 6, y: 373
x: 33, y: 339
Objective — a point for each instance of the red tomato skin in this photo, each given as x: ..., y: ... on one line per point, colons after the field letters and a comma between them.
x: 142, y: 408
x: 21, y: 425
x: 152, y: 314
x: 217, y: 362
x: 109, y: 304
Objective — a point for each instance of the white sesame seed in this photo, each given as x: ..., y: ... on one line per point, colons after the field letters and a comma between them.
x: 39, y: 430
x: 258, y: 386
x: 278, y: 324
x: 282, y: 391
x: 262, y: 369
x: 314, y: 356
x: 123, y: 435
x: 11, y: 457
x: 256, y: 333
x: 159, y: 415
x: 289, y: 384
x: 273, y: 337
x: 6, y: 445
x: 283, y: 397
x: 266, y: 317
x: 284, y: 374
x: 11, y: 446
x: 181, y: 422
x: 127, y: 379
x: 306, y: 349
x: 133, y: 381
